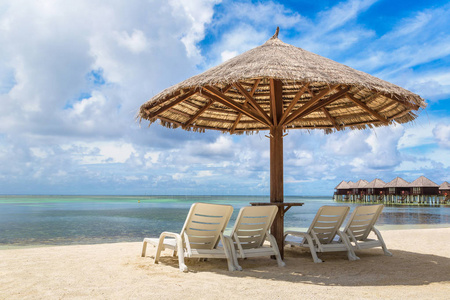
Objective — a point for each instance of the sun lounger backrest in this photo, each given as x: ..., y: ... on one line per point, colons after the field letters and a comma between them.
x: 252, y: 224
x: 363, y: 219
x: 327, y: 221
x: 204, y: 224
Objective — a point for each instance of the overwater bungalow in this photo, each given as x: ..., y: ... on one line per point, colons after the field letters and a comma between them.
x: 420, y: 191
x: 444, y: 192
x: 375, y: 190
x: 423, y: 186
x: 343, y: 189
x: 397, y: 186
x: 359, y: 189
x: 397, y: 190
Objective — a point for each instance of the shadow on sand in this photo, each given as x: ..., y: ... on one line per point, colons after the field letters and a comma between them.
x: 373, y: 269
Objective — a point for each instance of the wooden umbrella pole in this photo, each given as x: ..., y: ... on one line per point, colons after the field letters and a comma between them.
x: 276, y: 159
x: 276, y: 183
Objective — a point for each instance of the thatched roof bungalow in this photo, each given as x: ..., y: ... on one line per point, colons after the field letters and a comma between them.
x: 359, y: 187
x: 444, y: 188
x: 423, y: 186
x: 397, y: 186
x: 375, y: 187
x: 343, y: 188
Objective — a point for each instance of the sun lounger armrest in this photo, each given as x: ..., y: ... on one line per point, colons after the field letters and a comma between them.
x: 295, y: 233
x: 305, y: 235
x: 271, y: 239
x: 169, y: 234
x: 177, y: 237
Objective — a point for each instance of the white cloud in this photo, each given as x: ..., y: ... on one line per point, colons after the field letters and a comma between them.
x: 71, y: 89
x: 226, y: 55
x: 341, y: 13
x: 198, y: 13
x: 418, y: 135
x: 204, y: 173
x: 442, y: 134
x: 136, y: 42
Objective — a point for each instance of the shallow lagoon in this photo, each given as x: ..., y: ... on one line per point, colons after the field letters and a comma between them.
x: 64, y: 220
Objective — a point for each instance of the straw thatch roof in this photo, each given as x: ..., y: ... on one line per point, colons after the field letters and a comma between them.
x: 444, y: 186
x: 375, y: 184
x: 343, y: 185
x: 397, y: 182
x: 238, y: 96
x: 422, y: 181
x: 360, y: 184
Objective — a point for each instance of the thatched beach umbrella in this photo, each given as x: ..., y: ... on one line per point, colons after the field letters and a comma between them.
x: 278, y: 87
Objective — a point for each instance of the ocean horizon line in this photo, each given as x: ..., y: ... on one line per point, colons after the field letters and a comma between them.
x: 155, y: 195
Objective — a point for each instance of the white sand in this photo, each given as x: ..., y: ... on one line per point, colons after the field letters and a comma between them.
x: 420, y: 268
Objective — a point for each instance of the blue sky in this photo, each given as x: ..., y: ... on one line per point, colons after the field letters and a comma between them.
x: 73, y: 75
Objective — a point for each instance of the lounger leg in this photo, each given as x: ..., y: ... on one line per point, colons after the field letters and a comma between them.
x: 234, y: 254
x: 231, y: 260
x: 383, y: 245
x: 182, y: 266
x: 273, y: 244
x: 159, y: 249
x: 312, y: 249
x: 144, y: 248
x: 350, y: 253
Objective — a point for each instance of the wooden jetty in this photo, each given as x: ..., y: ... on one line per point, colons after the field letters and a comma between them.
x: 398, y: 191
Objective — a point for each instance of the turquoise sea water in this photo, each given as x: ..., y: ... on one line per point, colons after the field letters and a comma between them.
x: 65, y: 220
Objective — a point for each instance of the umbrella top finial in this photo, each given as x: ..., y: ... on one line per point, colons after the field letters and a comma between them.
x: 275, y: 36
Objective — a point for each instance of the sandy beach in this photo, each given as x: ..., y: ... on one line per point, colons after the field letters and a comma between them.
x: 420, y: 268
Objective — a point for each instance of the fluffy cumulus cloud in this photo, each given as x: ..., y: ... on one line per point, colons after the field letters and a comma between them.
x: 73, y: 75
x: 442, y: 135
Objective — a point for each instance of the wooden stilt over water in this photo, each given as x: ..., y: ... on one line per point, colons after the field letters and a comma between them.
x: 421, y: 191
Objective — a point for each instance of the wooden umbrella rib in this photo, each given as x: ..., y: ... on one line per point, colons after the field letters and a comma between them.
x: 156, y: 103
x: 367, y: 109
x: 340, y: 93
x: 227, y: 88
x: 329, y: 117
x: 194, y: 117
x: 294, y: 102
x: 172, y: 104
x: 169, y: 121
x: 219, y: 97
x: 323, y: 103
x: 400, y: 114
x: 236, y: 122
x: 308, y: 104
x: 255, y: 86
x: 395, y: 98
x: 215, y: 120
x: 179, y: 112
x: 238, y: 118
x: 252, y: 101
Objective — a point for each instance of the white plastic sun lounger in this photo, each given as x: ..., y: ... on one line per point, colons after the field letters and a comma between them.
x: 320, y: 236
x: 361, y: 223
x: 251, y: 231
x: 199, y: 237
